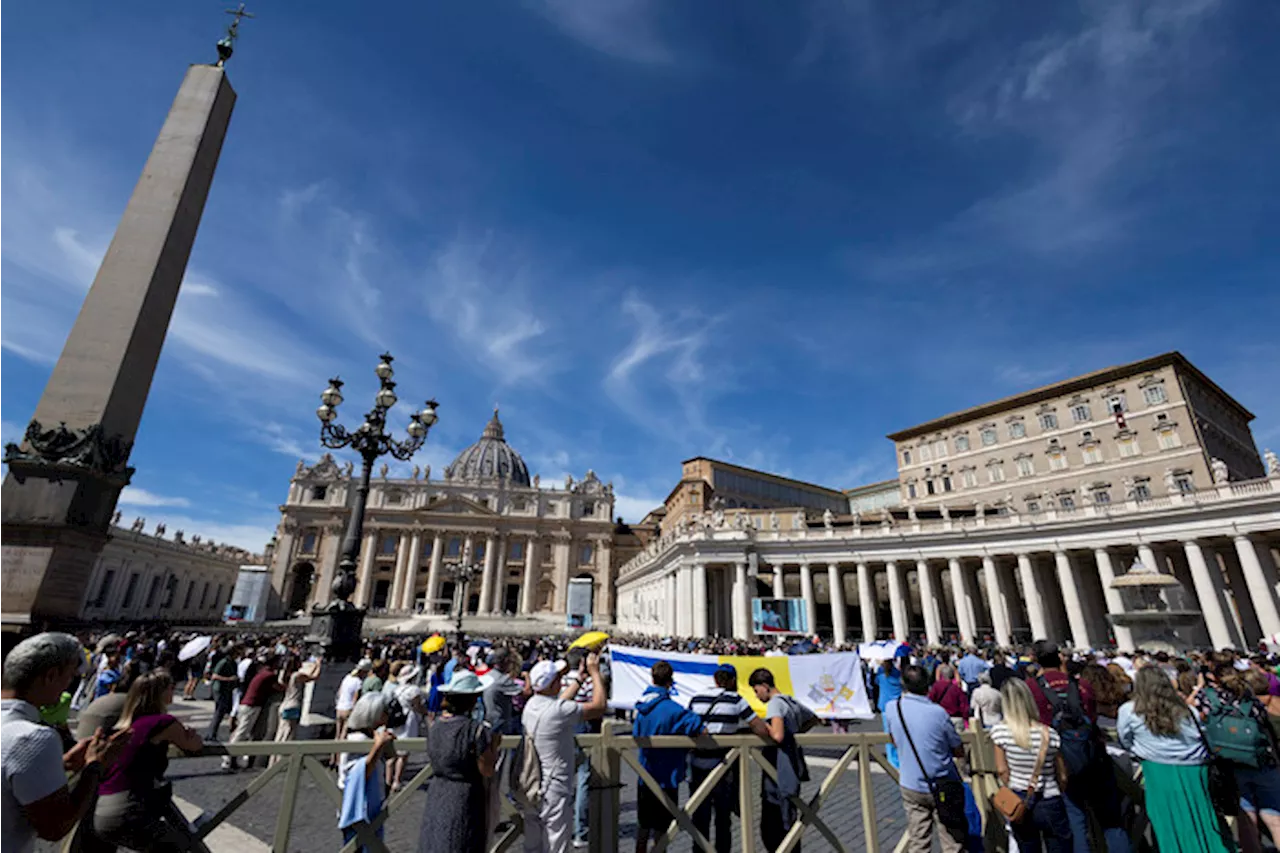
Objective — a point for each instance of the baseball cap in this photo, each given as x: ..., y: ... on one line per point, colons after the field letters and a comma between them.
x: 729, y: 668
x: 364, y: 665
x: 544, y: 672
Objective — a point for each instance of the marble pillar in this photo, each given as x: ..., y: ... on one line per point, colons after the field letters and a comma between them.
x: 433, y: 572
x: 839, y: 615
x: 810, y: 600
x: 964, y: 604
x: 929, y: 602
x: 867, y: 603
x: 1034, y: 598
x: 1071, y: 598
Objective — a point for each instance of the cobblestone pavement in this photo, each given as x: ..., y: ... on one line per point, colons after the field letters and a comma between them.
x: 202, y: 782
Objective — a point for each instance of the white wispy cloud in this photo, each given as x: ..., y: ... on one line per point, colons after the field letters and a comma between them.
x: 138, y: 497
x: 624, y: 29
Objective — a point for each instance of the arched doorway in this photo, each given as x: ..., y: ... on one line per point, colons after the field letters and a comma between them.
x: 300, y: 579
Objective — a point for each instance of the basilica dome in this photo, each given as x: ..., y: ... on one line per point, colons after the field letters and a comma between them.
x: 490, y: 458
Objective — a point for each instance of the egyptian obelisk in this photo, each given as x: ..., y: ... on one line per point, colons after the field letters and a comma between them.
x: 66, y: 475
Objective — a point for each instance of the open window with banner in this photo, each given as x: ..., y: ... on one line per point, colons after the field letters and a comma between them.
x: 580, y: 601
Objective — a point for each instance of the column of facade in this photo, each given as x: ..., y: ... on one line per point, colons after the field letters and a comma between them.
x: 322, y: 589
x: 995, y: 602
x: 741, y: 601
x: 282, y: 571
x: 929, y: 602
x: 1264, y: 600
x: 684, y: 602
x: 839, y: 616
x: 698, y: 579
x: 897, y: 602
x: 1035, y: 600
x: 530, y: 585
x: 779, y: 581
x: 398, y: 573
x: 810, y: 600
x: 1071, y: 599
x: 867, y: 603
x: 964, y: 604
x: 1115, y: 604
x: 433, y: 571
x: 606, y: 588
x: 364, y: 583
x: 1215, y: 620
x: 672, y: 605
x: 562, y: 550
x: 409, y: 595
x: 485, y: 605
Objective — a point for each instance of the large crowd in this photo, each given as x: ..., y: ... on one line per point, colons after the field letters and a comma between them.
x: 1198, y: 730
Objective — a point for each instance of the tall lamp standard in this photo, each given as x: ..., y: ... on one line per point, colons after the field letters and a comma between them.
x: 336, y: 626
x: 462, y: 575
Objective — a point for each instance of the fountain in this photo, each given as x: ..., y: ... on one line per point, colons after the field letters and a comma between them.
x: 1157, y: 609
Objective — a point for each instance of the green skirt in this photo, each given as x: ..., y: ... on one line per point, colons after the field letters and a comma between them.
x: 1181, y: 814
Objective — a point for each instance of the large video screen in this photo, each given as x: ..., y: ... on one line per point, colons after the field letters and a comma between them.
x: 779, y: 616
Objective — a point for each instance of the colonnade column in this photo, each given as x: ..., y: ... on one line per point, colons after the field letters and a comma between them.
x: 1264, y: 600
x: 835, y: 582
x: 779, y: 582
x: 409, y: 594
x: 684, y: 600
x: 1210, y: 604
x: 397, y: 575
x: 485, y: 604
x: 1034, y: 599
x: 867, y: 603
x: 964, y: 606
x: 897, y: 602
x: 1115, y: 604
x: 810, y: 602
x: 741, y: 602
x: 365, y: 581
x: 673, y: 607
x: 929, y: 603
x: 1070, y: 586
x: 995, y: 602
x: 530, y: 579
x: 433, y: 572
x: 698, y: 577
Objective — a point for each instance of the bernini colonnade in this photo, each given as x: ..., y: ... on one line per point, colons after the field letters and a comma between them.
x: 969, y: 576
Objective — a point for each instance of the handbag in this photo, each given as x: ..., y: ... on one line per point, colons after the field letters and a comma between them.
x: 1014, y: 806
x: 948, y: 794
x: 1224, y: 791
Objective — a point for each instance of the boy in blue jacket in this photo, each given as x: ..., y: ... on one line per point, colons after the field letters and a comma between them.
x: 658, y: 714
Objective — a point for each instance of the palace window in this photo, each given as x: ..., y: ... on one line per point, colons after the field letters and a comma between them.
x: 1026, y: 467
x: 479, y: 551
x: 585, y: 555
x: 519, y: 504
x: 388, y: 545
x: 1184, y: 483
x: 318, y: 493
x: 925, y: 456
x: 1101, y: 496
x: 1128, y: 445
x: 1033, y: 506
x: 454, y: 548
x: 1048, y: 421
x: 962, y: 443
x: 588, y: 509
x: 1141, y: 490
x: 1116, y: 404
x: 970, y: 478
x: 995, y: 472
x: 928, y: 486
x: 906, y: 457
x: 946, y: 483
x: 1169, y: 439
x: 911, y: 490
x: 308, y: 542
x: 940, y: 450
x: 1067, y: 502
x: 1080, y: 413
x: 1092, y: 454
x: 1154, y: 395
x: 988, y: 436
x: 517, y: 550
x: 1057, y: 458
x: 1017, y: 429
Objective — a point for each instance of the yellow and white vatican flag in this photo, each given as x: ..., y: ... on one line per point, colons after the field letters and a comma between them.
x: 830, y: 685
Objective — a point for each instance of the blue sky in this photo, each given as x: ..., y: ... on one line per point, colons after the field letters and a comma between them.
x: 769, y: 233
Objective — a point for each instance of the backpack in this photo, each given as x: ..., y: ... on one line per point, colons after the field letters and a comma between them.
x: 1233, y: 733
x: 1081, y: 743
x: 526, y: 774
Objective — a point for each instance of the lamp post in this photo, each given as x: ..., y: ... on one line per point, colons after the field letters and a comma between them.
x: 336, y: 625
x: 462, y: 575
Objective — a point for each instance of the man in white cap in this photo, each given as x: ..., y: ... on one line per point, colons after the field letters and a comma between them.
x: 550, y: 718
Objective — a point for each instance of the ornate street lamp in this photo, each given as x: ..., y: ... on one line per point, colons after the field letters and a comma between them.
x: 337, y: 624
x: 462, y: 575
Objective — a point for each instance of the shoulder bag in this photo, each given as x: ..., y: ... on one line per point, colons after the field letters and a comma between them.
x: 948, y: 793
x: 1224, y: 792
x: 1014, y: 806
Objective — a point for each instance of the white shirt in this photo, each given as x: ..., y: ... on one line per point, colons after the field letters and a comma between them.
x: 554, y: 722
x: 31, y: 754
x: 347, y: 691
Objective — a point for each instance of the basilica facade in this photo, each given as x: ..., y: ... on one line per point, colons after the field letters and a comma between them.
x: 527, y: 540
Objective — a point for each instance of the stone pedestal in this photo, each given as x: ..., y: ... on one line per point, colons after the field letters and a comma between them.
x: 336, y: 633
x: 66, y: 475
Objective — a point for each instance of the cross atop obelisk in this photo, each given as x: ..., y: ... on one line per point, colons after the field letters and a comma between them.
x: 66, y: 475
x: 227, y: 44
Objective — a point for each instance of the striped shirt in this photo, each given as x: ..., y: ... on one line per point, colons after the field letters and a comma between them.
x: 723, y: 712
x: 1022, y: 760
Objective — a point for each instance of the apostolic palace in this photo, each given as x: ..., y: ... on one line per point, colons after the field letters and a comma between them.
x: 1052, y: 513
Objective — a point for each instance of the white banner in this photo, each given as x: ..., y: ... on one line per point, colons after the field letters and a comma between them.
x: 830, y: 685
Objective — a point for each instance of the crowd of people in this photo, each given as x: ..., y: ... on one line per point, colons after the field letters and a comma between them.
x: 1198, y: 730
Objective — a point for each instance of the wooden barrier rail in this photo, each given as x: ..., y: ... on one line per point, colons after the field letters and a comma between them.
x: 606, y: 753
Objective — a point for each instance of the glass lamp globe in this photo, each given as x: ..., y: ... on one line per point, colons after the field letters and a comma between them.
x: 384, y: 370
x: 331, y: 396
x: 428, y: 414
x: 326, y: 413
x: 386, y: 398
x: 416, y: 429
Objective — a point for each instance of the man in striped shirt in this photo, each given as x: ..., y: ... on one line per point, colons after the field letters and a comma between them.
x: 723, y: 712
